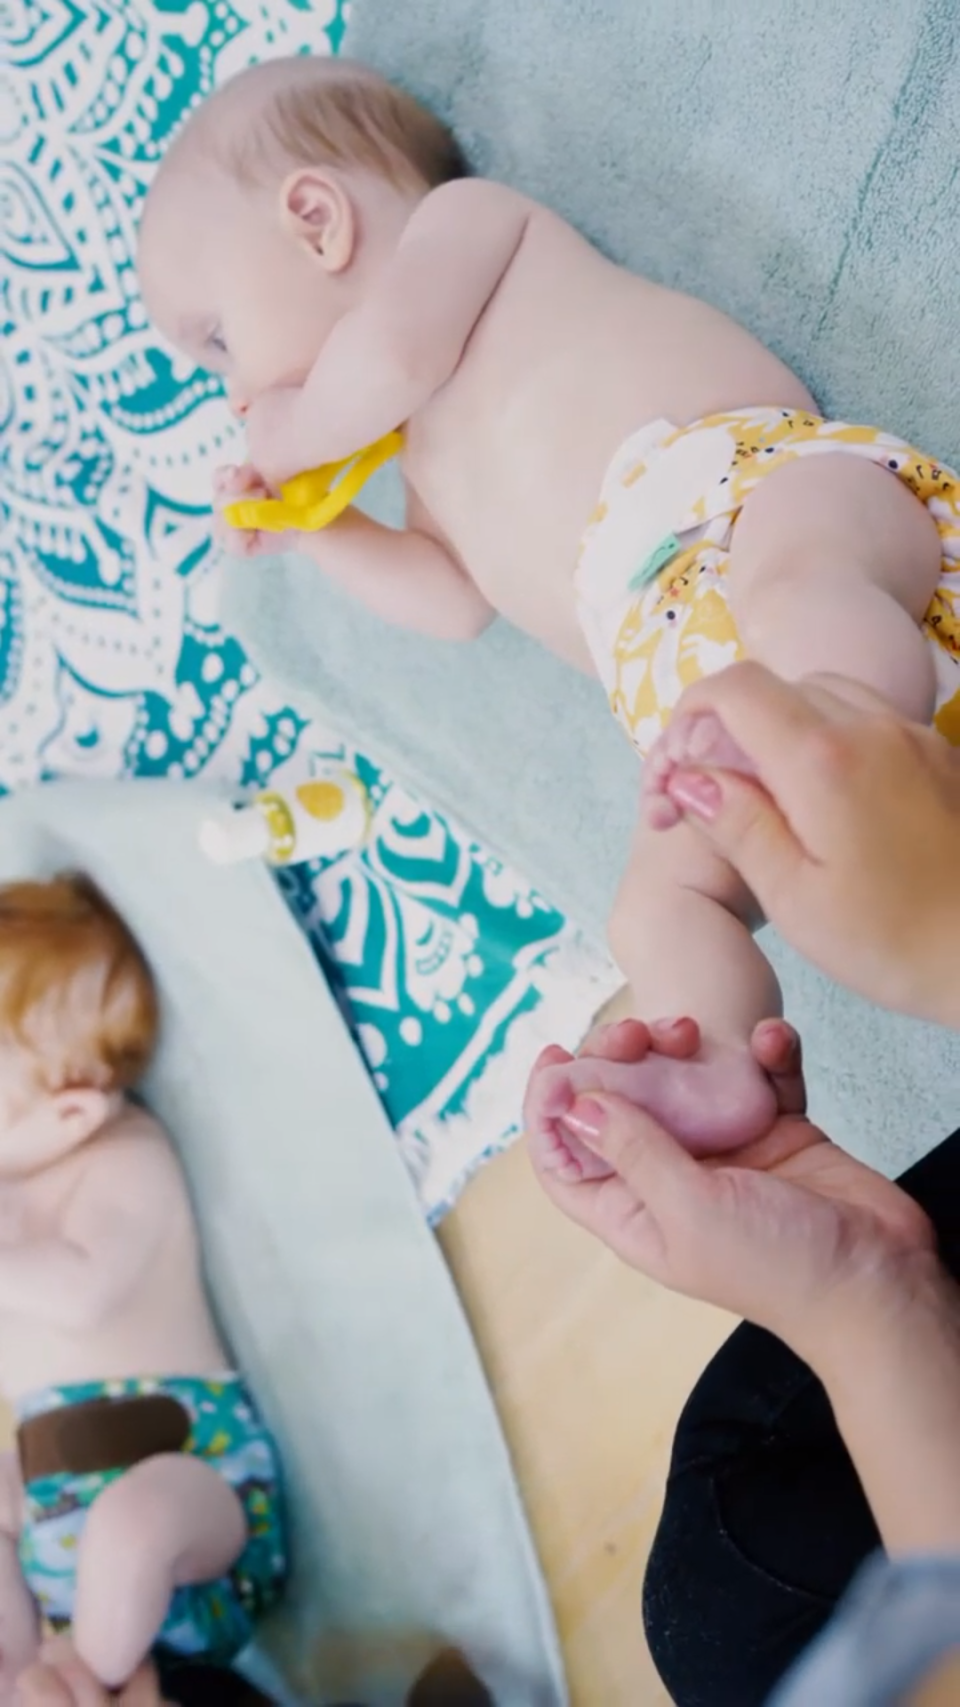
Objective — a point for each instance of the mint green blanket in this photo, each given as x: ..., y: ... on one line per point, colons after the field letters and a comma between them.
x: 794, y: 163
x: 407, y: 1525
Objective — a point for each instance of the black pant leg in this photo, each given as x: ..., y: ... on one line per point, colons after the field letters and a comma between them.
x: 205, y: 1686
x: 764, y: 1521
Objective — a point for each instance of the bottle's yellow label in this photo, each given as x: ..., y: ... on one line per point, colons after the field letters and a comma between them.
x: 323, y: 800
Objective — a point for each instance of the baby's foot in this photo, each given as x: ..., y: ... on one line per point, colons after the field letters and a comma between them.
x: 717, y: 1099
x: 694, y: 740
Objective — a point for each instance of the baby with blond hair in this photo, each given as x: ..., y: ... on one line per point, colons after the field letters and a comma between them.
x: 617, y: 468
x: 141, y: 1503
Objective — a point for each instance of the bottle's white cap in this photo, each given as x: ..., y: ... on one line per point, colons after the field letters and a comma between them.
x: 234, y: 834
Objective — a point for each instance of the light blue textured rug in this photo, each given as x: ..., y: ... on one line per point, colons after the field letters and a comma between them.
x: 795, y: 164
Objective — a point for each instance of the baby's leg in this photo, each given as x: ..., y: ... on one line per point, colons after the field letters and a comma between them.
x: 833, y: 564
x: 169, y: 1521
x: 681, y: 931
x: 19, y: 1625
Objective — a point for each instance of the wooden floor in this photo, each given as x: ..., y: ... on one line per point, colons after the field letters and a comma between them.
x: 590, y: 1365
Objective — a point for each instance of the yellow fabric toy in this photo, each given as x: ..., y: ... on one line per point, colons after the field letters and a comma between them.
x: 313, y: 500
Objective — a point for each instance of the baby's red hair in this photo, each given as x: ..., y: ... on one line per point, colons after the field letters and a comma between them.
x: 76, y: 992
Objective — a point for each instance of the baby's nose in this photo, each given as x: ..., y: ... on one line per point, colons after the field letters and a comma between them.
x: 237, y: 402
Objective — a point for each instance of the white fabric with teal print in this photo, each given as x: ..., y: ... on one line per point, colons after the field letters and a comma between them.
x: 112, y: 658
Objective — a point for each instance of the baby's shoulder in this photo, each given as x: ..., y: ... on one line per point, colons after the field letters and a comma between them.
x: 134, y: 1150
x: 470, y: 197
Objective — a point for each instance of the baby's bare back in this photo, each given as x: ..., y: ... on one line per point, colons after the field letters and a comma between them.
x: 133, y: 1301
x: 572, y: 355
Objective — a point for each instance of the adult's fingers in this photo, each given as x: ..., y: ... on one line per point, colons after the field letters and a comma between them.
x: 656, y: 1192
x: 656, y: 1168
x: 763, y: 714
x: 741, y: 820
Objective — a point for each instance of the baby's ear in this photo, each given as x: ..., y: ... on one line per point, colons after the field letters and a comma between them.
x: 316, y: 211
x: 81, y: 1111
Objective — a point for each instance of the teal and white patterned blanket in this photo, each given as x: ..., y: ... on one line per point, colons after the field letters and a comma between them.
x: 113, y: 661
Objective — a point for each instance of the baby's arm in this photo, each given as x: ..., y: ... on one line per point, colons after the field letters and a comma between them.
x: 111, y: 1228
x: 409, y: 577
x: 385, y: 359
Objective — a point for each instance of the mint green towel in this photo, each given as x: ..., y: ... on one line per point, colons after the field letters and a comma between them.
x: 406, y: 1520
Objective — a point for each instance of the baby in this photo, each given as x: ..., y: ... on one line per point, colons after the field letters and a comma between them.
x: 618, y: 469
x: 141, y: 1504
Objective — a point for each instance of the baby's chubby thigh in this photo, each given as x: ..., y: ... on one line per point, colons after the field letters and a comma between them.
x: 169, y: 1521
x: 833, y: 564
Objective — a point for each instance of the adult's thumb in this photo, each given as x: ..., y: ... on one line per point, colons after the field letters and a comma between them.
x: 737, y: 816
x: 656, y: 1168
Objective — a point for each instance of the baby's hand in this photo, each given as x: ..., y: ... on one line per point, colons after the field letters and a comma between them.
x: 230, y: 484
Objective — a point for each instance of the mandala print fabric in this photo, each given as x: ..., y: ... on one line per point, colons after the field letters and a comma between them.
x: 113, y: 661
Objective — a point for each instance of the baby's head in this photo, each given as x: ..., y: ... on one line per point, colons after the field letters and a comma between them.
x: 78, y: 1018
x: 275, y: 205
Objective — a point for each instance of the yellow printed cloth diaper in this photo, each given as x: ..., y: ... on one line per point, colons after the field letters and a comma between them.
x: 651, y: 577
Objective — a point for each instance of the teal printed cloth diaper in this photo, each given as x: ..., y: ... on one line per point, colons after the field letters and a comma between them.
x: 212, y: 1620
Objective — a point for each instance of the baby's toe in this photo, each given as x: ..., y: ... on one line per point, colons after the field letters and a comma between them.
x: 552, y: 1055
x: 566, y: 1168
x: 552, y: 1156
x: 617, y: 1040
x: 563, y: 1158
x: 549, y: 1092
x: 660, y: 811
x: 536, y: 1120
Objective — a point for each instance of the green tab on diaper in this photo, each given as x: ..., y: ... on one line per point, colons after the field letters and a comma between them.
x: 651, y: 566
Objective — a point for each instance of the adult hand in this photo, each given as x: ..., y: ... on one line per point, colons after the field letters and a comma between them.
x: 790, y: 1232
x: 848, y: 833
x: 60, y: 1679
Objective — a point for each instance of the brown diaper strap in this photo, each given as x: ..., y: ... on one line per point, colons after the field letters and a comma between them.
x: 101, y: 1434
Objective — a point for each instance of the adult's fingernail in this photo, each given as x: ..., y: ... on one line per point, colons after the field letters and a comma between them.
x: 695, y: 793
x: 586, y: 1118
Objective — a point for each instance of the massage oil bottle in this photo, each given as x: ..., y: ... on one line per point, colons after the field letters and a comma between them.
x: 317, y: 819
